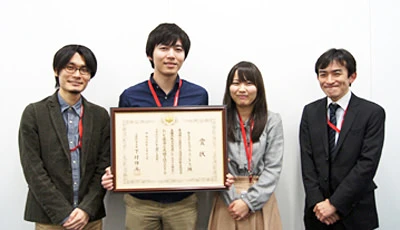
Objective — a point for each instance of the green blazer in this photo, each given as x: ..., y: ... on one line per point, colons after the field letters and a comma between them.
x: 45, y: 159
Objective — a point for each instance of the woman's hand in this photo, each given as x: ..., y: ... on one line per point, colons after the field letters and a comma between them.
x: 229, y: 180
x: 238, y: 209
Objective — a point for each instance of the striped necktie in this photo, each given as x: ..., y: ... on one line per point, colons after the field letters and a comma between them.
x: 332, y: 132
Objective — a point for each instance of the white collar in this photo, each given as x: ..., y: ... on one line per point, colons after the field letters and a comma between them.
x: 343, y: 102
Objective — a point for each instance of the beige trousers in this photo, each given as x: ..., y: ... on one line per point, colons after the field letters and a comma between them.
x: 148, y: 214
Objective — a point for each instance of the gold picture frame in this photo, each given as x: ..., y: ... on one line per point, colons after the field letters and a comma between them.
x: 168, y: 148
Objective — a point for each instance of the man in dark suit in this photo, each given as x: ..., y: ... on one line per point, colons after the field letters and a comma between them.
x: 338, y: 179
x: 64, y: 148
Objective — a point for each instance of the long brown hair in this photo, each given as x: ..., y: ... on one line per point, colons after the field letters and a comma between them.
x: 247, y: 71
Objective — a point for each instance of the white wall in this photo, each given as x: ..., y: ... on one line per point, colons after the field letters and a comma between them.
x: 283, y: 38
x: 385, y: 49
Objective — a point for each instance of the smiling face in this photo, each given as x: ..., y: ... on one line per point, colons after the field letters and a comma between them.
x: 243, y: 93
x: 168, y: 59
x: 73, y: 82
x: 334, y: 80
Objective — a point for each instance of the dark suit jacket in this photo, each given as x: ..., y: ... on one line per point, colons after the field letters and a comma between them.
x: 346, y: 179
x: 45, y: 159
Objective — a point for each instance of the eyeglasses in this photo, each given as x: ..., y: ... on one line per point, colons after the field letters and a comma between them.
x: 72, y: 69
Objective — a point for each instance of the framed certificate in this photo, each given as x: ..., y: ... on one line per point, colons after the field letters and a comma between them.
x: 168, y: 148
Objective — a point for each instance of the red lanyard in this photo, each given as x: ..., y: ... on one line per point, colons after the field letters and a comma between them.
x: 80, y: 129
x: 247, y: 146
x: 155, y: 95
x: 333, y: 126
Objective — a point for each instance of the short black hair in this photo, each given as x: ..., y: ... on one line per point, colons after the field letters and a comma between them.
x: 166, y: 34
x: 342, y: 56
x: 64, y: 55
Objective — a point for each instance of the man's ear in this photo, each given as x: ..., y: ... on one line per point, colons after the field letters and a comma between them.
x: 352, y: 77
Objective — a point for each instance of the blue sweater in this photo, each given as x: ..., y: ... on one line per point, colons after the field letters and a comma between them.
x: 140, y: 96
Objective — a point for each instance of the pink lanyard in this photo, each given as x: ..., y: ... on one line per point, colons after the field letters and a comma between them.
x: 80, y: 128
x: 333, y: 126
x: 153, y: 92
x: 247, y: 146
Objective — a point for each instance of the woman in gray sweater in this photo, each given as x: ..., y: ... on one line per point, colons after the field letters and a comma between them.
x: 255, y: 150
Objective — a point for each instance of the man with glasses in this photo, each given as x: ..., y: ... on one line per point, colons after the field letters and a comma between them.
x: 64, y: 148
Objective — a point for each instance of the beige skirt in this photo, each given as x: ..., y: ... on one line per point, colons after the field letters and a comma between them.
x: 267, y: 218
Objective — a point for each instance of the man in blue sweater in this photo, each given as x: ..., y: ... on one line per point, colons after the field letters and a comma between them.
x: 167, y: 48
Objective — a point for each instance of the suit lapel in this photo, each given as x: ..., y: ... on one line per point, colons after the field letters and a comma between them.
x: 322, y: 122
x: 351, y: 114
x: 58, y: 123
x: 87, y: 133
